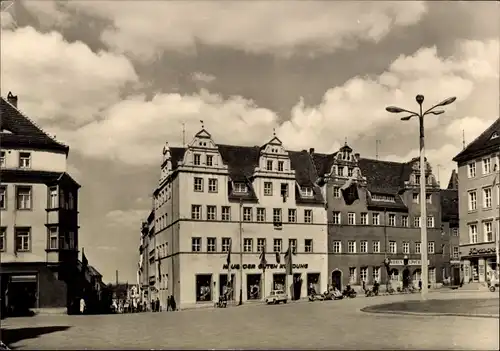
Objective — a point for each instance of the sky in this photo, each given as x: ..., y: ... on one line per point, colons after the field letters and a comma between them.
x: 117, y: 79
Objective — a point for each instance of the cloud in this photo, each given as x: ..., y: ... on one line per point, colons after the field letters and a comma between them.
x: 58, y: 80
x: 202, y: 77
x: 146, y: 28
x: 126, y: 219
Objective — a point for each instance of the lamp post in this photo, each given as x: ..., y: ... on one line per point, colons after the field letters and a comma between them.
x: 423, y: 203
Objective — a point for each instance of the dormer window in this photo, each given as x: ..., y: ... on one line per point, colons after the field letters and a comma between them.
x: 210, y: 160
x: 349, y: 171
x: 386, y: 198
x: 281, y: 166
x: 240, y: 188
x: 269, y: 165
x: 494, y: 135
x: 340, y: 171
x: 307, y: 192
x: 197, y: 159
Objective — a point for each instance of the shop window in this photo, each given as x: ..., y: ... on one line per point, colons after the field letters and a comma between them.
x: 227, y: 287
x: 313, y: 282
x: 203, y: 287
x: 254, y: 287
x: 279, y: 281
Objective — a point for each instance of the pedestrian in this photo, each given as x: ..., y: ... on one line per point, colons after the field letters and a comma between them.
x: 158, y: 306
x: 174, y: 305
x: 82, y: 305
x: 420, y: 285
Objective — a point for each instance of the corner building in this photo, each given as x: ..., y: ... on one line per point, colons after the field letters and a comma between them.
x: 384, y: 222
x: 213, y: 199
x: 478, y: 184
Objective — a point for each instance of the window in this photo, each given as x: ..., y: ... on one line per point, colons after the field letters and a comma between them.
x: 363, y: 246
x: 364, y: 218
x: 308, y: 245
x: 195, y: 211
x: 53, y: 238
x: 261, y: 215
x: 351, y: 246
x: 406, y: 247
x: 197, y: 159
x: 2, y: 159
x: 454, y: 231
x: 349, y: 171
x: 488, y: 231
x: 431, y: 247
x: 392, y: 219
x: 71, y: 201
x: 456, y: 251
x: 363, y: 274
x: 340, y: 171
x: 336, y: 217
x: 210, y: 160
x: 471, y: 170
x: 292, y: 243
x: 308, y: 216
x: 226, y: 244
x: 284, y: 190
x: 336, y: 191
x: 277, y: 245
x: 393, y: 247
x: 269, y: 165
x: 487, y: 197
x: 376, y: 246
x: 430, y: 222
x: 226, y: 213
x: 24, y: 198
x: 417, y: 247
x: 3, y: 197
x: 432, y: 275
x: 211, y: 213
x: 415, y: 198
x: 473, y: 233
x: 337, y: 246
x: 307, y: 192
x: 3, y: 235
x: 24, y: 160
x: 486, y: 165
x: 428, y: 198
x: 212, y: 185
x: 261, y: 245
x: 247, y: 245
x: 352, y: 275
x: 23, y: 239
x: 281, y: 165
x: 472, y: 201
x: 240, y: 188
x: 376, y: 274
x: 247, y: 214
x: 211, y: 244
x: 351, y: 218
x: 404, y: 221
x: 376, y: 218
x: 198, y: 184
x: 416, y: 221
x: 277, y: 215
x: 196, y: 244
x: 292, y: 215
x: 268, y: 188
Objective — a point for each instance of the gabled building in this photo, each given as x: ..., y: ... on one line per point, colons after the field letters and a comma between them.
x: 217, y: 201
x: 38, y: 216
x: 383, y: 223
x: 478, y: 179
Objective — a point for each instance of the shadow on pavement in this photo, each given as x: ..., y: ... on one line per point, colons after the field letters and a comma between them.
x: 11, y: 336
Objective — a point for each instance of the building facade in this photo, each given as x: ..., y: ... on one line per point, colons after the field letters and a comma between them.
x: 479, y: 204
x: 220, y: 203
x: 39, y: 216
x: 383, y: 223
x: 450, y: 225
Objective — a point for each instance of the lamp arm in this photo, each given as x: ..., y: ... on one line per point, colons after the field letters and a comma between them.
x: 410, y: 112
x: 429, y: 110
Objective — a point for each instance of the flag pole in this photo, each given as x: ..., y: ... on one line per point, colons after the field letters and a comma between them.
x: 497, y: 236
x: 241, y: 253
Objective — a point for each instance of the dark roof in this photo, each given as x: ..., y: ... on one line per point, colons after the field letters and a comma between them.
x: 323, y: 162
x: 24, y: 133
x: 35, y: 176
x: 382, y: 176
x: 453, y: 183
x: 94, y: 272
x: 449, y: 205
x: 482, y: 145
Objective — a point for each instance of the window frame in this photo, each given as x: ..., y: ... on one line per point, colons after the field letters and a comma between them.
x: 211, y: 244
x: 211, y: 210
x: 17, y: 235
x: 51, y: 235
x: 196, y: 242
x: 268, y: 188
x: 261, y: 214
x: 308, y: 215
x: 3, y: 196
x: 226, y: 213
x: 213, y: 185
x: 198, y: 187
x: 18, y: 202
x: 199, y: 216
x: 308, y: 245
x: 24, y: 155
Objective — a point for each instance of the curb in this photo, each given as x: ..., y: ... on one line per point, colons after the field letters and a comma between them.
x: 431, y: 314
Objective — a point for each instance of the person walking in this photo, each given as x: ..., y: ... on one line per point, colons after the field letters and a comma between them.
x: 82, y: 305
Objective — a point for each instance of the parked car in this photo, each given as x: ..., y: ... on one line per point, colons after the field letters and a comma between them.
x: 276, y: 296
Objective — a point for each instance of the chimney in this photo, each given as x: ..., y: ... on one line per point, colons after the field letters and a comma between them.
x: 311, y: 151
x: 357, y: 155
x: 12, y: 99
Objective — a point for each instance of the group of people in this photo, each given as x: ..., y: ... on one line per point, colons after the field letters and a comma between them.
x: 171, y: 304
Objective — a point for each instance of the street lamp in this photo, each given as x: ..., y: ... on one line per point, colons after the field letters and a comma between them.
x: 423, y: 202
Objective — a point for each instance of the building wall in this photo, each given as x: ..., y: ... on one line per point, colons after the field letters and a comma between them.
x: 40, y: 160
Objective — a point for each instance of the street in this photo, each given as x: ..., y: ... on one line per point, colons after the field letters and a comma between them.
x: 316, y: 325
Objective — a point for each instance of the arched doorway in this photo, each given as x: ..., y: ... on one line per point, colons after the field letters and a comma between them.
x: 337, y: 279
x: 406, y: 278
x: 416, y: 276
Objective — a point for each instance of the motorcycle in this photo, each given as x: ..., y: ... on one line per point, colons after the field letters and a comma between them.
x: 493, y: 285
x: 373, y: 291
x: 349, y: 292
x: 316, y: 297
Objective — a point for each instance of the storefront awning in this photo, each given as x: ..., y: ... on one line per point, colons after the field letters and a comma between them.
x: 31, y: 278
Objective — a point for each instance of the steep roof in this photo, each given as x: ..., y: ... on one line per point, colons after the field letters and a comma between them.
x: 382, y: 176
x: 487, y: 142
x: 453, y: 183
x: 19, y: 131
x: 449, y: 205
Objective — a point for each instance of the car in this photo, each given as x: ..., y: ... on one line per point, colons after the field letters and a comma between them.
x: 276, y: 296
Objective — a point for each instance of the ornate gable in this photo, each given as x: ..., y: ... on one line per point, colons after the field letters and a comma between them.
x: 345, y: 163
x: 274, y: 158
x: 414, y: 178
x: 202, y: 152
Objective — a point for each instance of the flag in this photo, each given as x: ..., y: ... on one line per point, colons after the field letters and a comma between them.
x: 288, y: 260
x: 263, y: 261
x: 228, y: 260
x: 159, y: 270
x: 278, y: 258
x: 85, y: 262
x: 350, y: 189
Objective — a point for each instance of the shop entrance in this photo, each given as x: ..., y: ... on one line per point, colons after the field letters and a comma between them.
x: 455, y: 274
x: 279, y: 281
x: 21, y: 294
x: 337, y: 279
x: 297, y: 286
x: 226, y: 286
x: 313, y: 282
x: 203, y: 287
x: 254, y: 286
x: 475, y: 270
x: 406, y: 278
